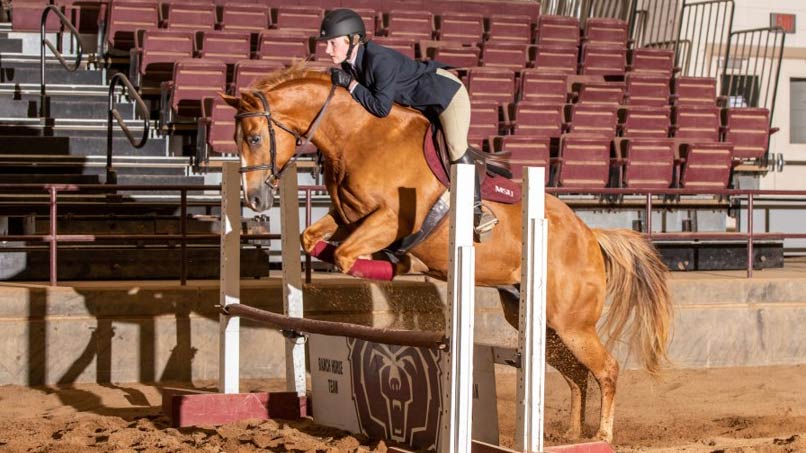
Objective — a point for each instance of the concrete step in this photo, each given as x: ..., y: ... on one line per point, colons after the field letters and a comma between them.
x: 8, y: 45
x: 92, y: 165
x: 26, y: 70
x: 70, y: 107
x: 74, y: 140
x: 155, y: 180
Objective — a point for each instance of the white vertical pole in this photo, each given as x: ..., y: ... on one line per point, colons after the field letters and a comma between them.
x: 230, y: 279
x: 457, y: 384
x: 292, y: 277
x: 532, y: 322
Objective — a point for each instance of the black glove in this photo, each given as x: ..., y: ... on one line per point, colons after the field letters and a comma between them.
x: 340, y: 77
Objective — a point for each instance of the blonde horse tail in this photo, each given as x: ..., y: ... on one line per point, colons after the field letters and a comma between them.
x: 637, y: 291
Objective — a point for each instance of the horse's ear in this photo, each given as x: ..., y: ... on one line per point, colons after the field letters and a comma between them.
x: 231, y: 100
x: 248, y: 99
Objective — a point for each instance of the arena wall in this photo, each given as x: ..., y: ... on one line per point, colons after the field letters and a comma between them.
x: 145, y: 332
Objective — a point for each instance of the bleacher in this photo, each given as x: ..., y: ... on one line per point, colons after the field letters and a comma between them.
x: 584, y: 96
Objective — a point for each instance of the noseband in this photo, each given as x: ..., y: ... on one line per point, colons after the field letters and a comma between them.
x: 274, y: 177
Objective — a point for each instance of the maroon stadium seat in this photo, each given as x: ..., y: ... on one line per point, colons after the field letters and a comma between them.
x: 560, y: 31
x: 749, y: 131
x: 525, y: 151
x: 645, y: 89
x: 466, y: 28
x: 125, y: 18
x: 645, y: 121
x: 647, y: 163
x: 593, y: 119
x: 583, y: 161
x: 454, y: 55
x: 705, y: 165
x: 26, y: 16
x: 193, y: 80
x: 607, y: 31
x: 245, y: 18
x: 542, y: 87
x: 190, y: 16
x: 304, y: 20
x: 246, y: 71
x: 484, y: 120
x: 409, y: 25
x: 154, y: 54
x: 509, y: 29
x: 699, y: 123
x: 229, y: 47
x: 694, y: 91
x: 275, y: 45
x: 556, y: 59
x: 512, y: 56
x: 491, y: 84
x: 532, y: 118
x: 659, y: 62
x: 602, y: 60
x: 216, y: 128
x: 600, y: 93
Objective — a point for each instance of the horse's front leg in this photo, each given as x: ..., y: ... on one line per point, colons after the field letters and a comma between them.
x: 376, y: 231
x: 321, y: 230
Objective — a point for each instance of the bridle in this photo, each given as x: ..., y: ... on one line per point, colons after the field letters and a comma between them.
x: 274, y: 177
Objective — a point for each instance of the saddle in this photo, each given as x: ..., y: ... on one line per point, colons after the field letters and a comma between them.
x: 492, y: 167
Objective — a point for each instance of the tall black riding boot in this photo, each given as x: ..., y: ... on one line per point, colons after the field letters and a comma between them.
x: 483, y: 219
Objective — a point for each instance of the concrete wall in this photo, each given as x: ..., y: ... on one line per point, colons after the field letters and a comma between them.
x: 152, y: 332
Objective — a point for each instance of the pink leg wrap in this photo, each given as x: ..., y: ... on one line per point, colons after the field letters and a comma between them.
x: 363, y: 268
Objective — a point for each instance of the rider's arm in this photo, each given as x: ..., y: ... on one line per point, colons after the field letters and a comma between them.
x: 378, y: 99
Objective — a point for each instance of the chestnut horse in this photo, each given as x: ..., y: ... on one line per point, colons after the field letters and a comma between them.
x: 381, y: 190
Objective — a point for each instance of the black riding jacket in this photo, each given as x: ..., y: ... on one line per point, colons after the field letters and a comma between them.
x: 385, y: 75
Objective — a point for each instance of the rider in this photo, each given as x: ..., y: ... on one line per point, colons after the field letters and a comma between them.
x: 376, y: 76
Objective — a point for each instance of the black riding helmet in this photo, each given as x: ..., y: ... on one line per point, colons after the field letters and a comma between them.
x: 341, y: 22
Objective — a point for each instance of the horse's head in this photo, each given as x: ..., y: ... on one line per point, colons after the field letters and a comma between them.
x: 270, y: 123
x: 263, y: 148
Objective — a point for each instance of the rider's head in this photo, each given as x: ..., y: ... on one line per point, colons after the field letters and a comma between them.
x: 343, y: 29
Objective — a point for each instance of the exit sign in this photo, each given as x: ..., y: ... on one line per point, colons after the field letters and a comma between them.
x: 785, y: 21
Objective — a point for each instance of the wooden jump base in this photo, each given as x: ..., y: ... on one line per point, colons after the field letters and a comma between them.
x: 455, y: 427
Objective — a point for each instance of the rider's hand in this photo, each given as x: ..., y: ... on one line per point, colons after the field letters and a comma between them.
x: 340, y: 77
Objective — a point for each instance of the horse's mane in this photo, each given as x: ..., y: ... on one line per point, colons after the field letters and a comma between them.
x: 297, y: 70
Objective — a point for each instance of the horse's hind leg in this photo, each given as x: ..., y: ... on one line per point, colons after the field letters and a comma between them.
x: 575, y: 374
x: 591, y: 353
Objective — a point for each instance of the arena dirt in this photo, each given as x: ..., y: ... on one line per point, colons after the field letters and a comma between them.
x: 715, y: 410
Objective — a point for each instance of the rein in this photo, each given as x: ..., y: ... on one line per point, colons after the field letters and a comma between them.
x: 273, y: 178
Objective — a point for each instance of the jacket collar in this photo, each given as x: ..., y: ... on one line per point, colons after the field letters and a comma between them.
x: 359, y: 58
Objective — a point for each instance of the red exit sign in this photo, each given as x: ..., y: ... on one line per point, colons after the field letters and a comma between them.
x: 785, y: 21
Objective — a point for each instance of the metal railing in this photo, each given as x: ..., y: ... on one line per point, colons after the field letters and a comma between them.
x: 44, y: 41
x: 744, y: 198
x: 142, y: 110
x: 707, y: 26
x: 753, y: 67
x: 53, y: 239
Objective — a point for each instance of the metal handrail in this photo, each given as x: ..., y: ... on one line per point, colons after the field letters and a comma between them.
x: 43, y: 111
x: 142, y: 110
x: 53, y: 238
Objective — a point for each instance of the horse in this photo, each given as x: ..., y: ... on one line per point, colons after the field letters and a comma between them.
x: 381, y: 190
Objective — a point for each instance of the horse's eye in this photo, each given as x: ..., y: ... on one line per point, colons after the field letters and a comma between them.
x: 254, y: 140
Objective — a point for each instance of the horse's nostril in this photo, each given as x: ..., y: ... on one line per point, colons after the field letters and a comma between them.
x: 256, y: 201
